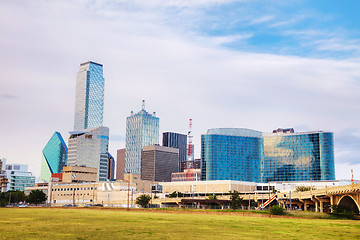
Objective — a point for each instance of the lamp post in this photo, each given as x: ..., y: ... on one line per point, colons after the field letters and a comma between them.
x: 128, y: 198
x: 269, y: 198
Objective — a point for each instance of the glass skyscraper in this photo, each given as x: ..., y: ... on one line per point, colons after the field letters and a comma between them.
x: 231, y: 154
x: 298, y: 157
x: 176, y: 140
x: 90, y: 148
x: 248, y: 155
x: 89, y: 103
x: 142, y: 129
x: 54, y: 156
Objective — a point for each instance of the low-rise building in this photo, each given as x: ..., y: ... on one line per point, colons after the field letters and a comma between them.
x: 19, y: 177
x: 72, y: 174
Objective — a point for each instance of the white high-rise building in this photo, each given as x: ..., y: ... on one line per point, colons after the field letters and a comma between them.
x: 89, y: 103
x: 19, y: 177
x: 89, y: 148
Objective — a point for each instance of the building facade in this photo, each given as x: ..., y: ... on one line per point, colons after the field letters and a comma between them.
x: 3, y: 178
x: 290, y: 156
x: 158, y: 163
x: 111, y: 167
x: 54, y: 157
x: 142, y: 129
x: 176, y: 140
x: 19, y: 177
x: 73, y: 174
x: 89, y: 148
x: 89, y: 104
x: 284, y: 155
x: 120, y: 164
x: 231, y: 154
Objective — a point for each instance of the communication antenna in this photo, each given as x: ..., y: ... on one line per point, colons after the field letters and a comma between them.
x: 189, y: 172
x: 143, y: 104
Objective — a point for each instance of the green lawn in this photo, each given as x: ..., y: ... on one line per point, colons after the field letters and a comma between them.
x: 44, y: 223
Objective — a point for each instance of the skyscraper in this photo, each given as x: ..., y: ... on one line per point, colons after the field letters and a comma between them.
x: 90, y: 148
x: 89, y: 103
x: 176, y: 140
x: 111, y: 167
x: 231, y: 154
x: 54, y: 156
x: 284, y: 155
x: 142, y: 129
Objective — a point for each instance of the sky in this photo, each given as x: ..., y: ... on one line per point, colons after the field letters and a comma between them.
x: 243, y: 64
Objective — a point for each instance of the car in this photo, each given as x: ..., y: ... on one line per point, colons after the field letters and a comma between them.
x: 23, y: 205
x: 88, y: 205
x: 98, y: 205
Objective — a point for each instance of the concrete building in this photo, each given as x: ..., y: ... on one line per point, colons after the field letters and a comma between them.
x: 73, y: 174
x: 193, y: 164
x: 89, y: 148
x: 3, y: 179
x: 186, y: 175
x: 54, y: 157
x: 120, y: 164
x: 18, y: 177
x: 158, y: 163
x: 142, y: 129
x: 89, y: 104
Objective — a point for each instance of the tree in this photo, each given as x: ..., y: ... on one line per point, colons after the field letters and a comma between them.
x: 212, y: 197
x: 235, y: 199
x: 143, y: 200
x: 175, y: 194
x: 304, y: 188
x: 36, y: 196
x: 277, y: 210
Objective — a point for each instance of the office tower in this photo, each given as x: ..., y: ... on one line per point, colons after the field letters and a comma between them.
x: 290, y: 156
x: 231, y: 154
x: 89, y: 103
x: 3, y: 178
x: 89, y: 148
x: 176, y: 140
x: 19, y: 177
x: 284, y: 155
x: 120, y: 164
x: 54, y: 156
x: 142, y: 129
x: 111, y: 167
x: 158, y: 163
x: 194, y: 164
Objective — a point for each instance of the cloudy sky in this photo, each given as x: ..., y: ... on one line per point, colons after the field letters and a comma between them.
x: 224, y: 63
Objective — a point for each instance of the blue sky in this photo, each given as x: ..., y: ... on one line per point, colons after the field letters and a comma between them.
x: 247, y: 64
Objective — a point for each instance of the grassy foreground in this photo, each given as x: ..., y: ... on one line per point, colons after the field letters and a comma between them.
x: 44, y: 223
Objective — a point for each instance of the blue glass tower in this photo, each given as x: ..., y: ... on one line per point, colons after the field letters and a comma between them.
x: 54, y: 156
x: 89, y: 103
x: 298, y: 157
x: 231, y: 154
x: 142, y: 129
x: 248, y: 155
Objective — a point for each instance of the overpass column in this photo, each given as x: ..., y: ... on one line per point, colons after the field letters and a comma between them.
x: 316, y: 204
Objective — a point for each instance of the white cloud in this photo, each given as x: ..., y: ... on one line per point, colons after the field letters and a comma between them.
x: 180, y: 75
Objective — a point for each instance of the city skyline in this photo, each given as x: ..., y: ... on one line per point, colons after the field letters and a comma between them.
x: 224, y: 64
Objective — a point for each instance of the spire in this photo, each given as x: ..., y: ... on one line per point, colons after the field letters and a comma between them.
x: 143, y: 104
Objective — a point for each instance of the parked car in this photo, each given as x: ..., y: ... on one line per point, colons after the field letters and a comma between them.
x: 23, y: 205
x: 98, y: 205
x: 88, y: 205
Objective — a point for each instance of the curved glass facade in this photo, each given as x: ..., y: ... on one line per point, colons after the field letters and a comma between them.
x: 244, y: 155
x: 142, y: 129
x: 298, y: 157
x: 226, y: 157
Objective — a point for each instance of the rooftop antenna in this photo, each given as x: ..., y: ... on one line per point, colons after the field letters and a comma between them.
x: 143, y: 104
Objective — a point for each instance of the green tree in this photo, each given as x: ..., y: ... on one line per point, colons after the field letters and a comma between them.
x: 304, y: 188
x: 235, y: 199
x: 277, y: 210
x: 143, y: 200
x: 212, y: 197
x: 36, y: 197
x: 175, y: 194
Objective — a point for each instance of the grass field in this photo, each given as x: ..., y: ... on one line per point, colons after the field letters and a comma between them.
x: 44, y: 223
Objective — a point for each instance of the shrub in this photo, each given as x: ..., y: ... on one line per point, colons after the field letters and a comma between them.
x: 277, y: 210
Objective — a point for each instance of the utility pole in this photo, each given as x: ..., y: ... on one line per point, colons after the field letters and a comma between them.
x: 269, y: 198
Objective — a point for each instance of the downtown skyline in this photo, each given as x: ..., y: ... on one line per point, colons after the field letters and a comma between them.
x: 209, y: 62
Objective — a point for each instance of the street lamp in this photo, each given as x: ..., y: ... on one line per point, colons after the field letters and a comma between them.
x: 128, y: 191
